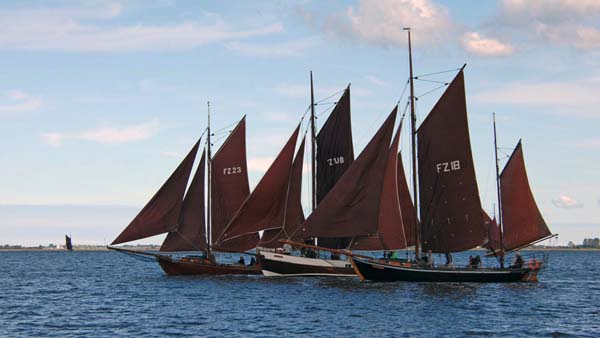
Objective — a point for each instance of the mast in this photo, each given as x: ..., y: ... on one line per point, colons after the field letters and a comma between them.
x: 498, y: 190
x: 413, y: 133
x: 313, y: 132
x: 209, y: 167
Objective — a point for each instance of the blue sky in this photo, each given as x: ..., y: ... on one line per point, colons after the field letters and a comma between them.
x: 99, y: 101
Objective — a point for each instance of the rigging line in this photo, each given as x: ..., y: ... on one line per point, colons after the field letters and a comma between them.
x: 225, y: 127
x: 441, y: 72
x: 433, y: 81
x: 219, y: 139
x: 330, y: 96
x: 221, y: 133
x: 431, y: 91
x: 325, y: 111
x: 404, y: 90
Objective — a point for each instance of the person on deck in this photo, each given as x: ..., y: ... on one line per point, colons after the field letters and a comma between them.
x: 476, y: 262
x: 395, y: 255
x: 241, y: 260
x: 252, y: 261
x: 518, y: 263
x: 430, y: 262
x: 449, y: 260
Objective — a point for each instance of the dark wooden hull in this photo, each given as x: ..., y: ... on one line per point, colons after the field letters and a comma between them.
x: 175, y: 267
x: 273, y: 264
x: 368, y: 270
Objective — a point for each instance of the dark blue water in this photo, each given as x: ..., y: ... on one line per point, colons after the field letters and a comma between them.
x: 110, y: 294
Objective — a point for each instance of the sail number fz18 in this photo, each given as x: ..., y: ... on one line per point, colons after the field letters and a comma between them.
x: 446, y: 167
x: 232, y: 170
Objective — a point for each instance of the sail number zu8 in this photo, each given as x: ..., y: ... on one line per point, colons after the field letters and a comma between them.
x: 232, y: 170
x: 446, y: 167
x: 335, y: 161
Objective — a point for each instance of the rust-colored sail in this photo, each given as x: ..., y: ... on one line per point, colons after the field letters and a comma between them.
x: 263, y: 209
x: 406, y: 205
x: 161, y: 213
x: 390, y: 231
x: 190, y: 234
x: 230, y: 187
x: 351, y: 208
x: 522, y: 221
x: 294, y: 215
x: 335, y: 154
x: 493, y: 232
x: 449, y: 199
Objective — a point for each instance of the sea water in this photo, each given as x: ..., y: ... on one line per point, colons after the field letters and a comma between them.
x: 58, y: 294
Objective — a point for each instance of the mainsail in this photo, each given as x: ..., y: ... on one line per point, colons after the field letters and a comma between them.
x: 390, y: 231
x: 522, y: 221
x: 264, y: 208
x: 161, y: 213
x: 230, y: 187
x: 335, y: 154
x: 449, y: 199
x: 351, y: 208
x: 294, y: 215
x: 190, y: 234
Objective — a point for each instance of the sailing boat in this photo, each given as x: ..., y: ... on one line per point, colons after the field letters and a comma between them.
x: 184, y: 218
x: 68, y: 244
x: 451, y: 216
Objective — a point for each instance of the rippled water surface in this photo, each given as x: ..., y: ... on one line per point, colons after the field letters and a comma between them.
x: 111, y: 294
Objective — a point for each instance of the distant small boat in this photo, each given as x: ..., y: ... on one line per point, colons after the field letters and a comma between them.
x: 68, y: 244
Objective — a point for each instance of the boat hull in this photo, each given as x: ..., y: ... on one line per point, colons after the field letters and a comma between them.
x: 176, y: 267
x: 275, y: 264
x: 368, y: 270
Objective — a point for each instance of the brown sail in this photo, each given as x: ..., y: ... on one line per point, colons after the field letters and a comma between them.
x: 263, y: 209
x: 294, y: 215
x: 351, y: 208
x: 522, y: 221
x: 161, y: 213
x: 190, y: 234
x: 449, y: 199
x: 390, y: 231
x: 335, y: 154
x: 229, y: 178
x: 406, y: 205
x: 493, y: 232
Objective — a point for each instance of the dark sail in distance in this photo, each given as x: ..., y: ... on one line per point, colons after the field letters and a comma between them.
x: 68, y: 244
x: 161, y: 213
x: 450, y: 207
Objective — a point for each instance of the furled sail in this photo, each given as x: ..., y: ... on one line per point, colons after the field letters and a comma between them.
x: 449, y: 199
x: 162, y: 211
x: 262, y: 210
x: 230, y: 187
x: 493, y: 232
x: 522, y: 221
x: 294, y: 215
x: 390, y: 231
x: 407, y: 207
x: 335, y: 154
x: 190, y: 234
x: 351, y: 208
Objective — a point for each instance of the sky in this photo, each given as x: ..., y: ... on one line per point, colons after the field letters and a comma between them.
x: 100, y: 100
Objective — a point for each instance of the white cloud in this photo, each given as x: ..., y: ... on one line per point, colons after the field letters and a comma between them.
x: 77, y: 29
x: 574, y: 98
x: 566, y: 202
x: 561, y: 22
x: 478, y: 44
x: 288, y: 48
x: 16, y: 101
x: 376, y: 81
x: 107, y: 135
x: 381, y: 22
